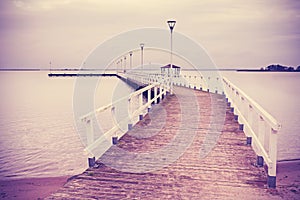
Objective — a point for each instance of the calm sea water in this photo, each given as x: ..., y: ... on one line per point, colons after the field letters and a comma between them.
x: 38, y: 137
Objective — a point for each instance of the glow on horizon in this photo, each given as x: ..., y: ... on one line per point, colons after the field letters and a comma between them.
x: 249, y: 34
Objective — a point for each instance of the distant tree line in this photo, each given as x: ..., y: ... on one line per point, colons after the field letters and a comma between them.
x: 280, y: 68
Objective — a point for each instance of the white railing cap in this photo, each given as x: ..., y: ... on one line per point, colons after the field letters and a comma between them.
x: 260, y: 110
x: 111, y: 105
x: 102, y: 108
x: 143, y: 90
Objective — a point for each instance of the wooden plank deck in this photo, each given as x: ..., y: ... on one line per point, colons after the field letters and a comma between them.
x: 176, y: 152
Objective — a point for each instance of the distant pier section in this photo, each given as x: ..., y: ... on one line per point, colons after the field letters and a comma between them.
x: 81, y: 73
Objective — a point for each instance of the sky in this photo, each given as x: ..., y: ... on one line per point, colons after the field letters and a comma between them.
x: 235, y: 33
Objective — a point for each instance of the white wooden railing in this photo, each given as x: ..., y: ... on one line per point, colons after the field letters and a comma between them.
x: 259, y: 126
x: 192, y: 81
x: 140, y: 77
x: 134, y: 115
x: 147, y: 78
x: 197, y: 81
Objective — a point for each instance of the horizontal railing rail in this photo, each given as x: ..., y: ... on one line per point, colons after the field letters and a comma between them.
x: 148, y: 78
x: 211, y: 83
x: 260, y: 127
x: 155, y: 92
x: 101, y: 109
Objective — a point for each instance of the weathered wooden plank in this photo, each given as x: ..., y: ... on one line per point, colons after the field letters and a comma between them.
x: 228, y: 171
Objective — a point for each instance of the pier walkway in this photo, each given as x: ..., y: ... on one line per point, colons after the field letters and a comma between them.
x: 177, y: 151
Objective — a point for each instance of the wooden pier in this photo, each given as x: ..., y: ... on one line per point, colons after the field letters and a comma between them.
x: 80, y: 74
x: 228, y: 171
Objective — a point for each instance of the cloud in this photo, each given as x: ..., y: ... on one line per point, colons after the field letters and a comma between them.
x: 53, y: 27
x: 40, y: 5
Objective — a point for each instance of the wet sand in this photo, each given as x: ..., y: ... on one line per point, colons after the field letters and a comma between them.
x: 288, y: 184
x: 288, y: 179
x: 30, y: 188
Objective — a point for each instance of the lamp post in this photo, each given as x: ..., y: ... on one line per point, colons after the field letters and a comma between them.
x: 130, y: 53
x: 171, y: 24
x: 121, y: 65
x: 117, y: 66
x: 142, y: 54
x: 124, y: 64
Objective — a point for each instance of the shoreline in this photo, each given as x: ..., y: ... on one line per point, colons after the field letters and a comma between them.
x: 39, y: 188
x: 31, y: 188
x: 288, y: 179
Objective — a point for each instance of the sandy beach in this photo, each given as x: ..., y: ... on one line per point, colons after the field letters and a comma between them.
x: 30, y: 188
x: 288, y: 179
x: 288, y: 184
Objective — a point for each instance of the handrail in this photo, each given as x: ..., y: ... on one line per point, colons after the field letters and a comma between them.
x: 102, y: 108
x: 275, y: 125
x: 92, y: 143
x: 143, y: 90
x: 258, y: 125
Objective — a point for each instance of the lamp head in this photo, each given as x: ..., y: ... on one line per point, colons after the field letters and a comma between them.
x: 142, y: 45
x: 171, y: 24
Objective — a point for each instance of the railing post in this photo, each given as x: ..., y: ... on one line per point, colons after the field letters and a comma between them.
x: 250, y: 121
x: 159, y: 94
x: 237, y: 105
x: 140, y: 105
x: 202, y: 84
x: 149, y: 99
x: 129, y: 113
x: 155, y: 94
x: 164, y: 89
x: 149, y: 78
x: 232, y: 91
x: 90, y: 140
x: 115, y: 137
x: 261, y: 138
x: 242, y: 113
x: 89, y: 131
x: 208, y: 85
x: 273, y: 157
